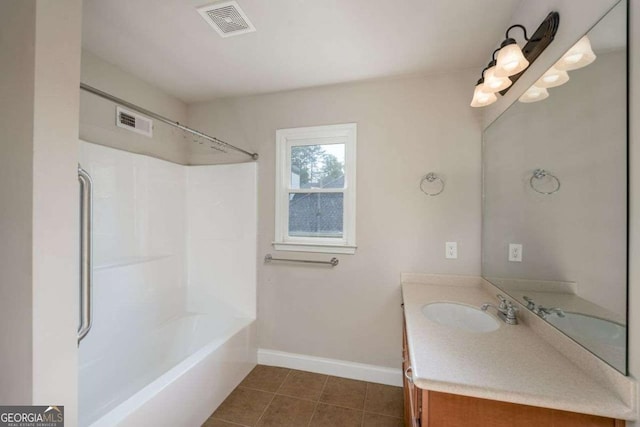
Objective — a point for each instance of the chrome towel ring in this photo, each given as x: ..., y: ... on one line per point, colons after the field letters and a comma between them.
x: 539, y: 174
x: 430, y: 178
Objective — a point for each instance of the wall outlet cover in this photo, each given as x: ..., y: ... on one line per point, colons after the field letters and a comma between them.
x: 515, y: 252
x: 451, y: 250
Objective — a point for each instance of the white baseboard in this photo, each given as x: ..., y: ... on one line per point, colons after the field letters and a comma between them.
x: 338, y: 368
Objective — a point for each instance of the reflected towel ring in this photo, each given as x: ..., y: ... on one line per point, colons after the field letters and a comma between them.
x: 431, y: 177
x: 540, y: 174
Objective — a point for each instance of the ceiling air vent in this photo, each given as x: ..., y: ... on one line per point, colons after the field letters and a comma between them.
x: 226, y: 18
x: 134, y: 122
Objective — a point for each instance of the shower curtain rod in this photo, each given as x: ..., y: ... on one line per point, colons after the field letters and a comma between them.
x: 163, y: 119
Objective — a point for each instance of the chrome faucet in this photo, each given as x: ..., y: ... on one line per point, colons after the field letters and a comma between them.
x: 506, y: 310
x: 541, y: 311
x: 552, y: 310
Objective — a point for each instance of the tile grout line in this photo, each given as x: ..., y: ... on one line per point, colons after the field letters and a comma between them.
x: 364, y: 404
x: 228, y: 422
x: 272, y: 398
x: 279, y: 393
x: 380, y: 413
x: 283, y: 381
x: 265, y: 409
x: 316, y: 402
x: 315, y: 408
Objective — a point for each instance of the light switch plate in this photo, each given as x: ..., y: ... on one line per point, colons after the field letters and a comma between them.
x: 515, y: 252
x: 451, y: 250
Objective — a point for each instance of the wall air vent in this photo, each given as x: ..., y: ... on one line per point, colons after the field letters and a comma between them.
x: 134, y: 122
x: 226, y: 18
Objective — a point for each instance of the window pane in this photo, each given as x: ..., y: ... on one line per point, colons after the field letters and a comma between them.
x: 315, y: 214
x: 317, y: 166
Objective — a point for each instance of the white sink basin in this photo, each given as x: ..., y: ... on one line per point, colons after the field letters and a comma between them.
x: 584, y: 328
x: 459, y: 316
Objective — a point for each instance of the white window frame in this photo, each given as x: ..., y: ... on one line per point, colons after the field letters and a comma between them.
x: 317, y: 135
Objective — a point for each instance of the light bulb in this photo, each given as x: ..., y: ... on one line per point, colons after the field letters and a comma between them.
x: 510, y: 59
x: 534, y: 94
x: 580, y: 55
x: 572, y: 59
x: 552, y: 78
x: 493, y: 83
x: 482, y: 97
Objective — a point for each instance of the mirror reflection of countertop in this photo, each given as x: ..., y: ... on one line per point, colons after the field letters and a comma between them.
x: 609, y: 343
x: 511, y: 364
x: 555, y: 294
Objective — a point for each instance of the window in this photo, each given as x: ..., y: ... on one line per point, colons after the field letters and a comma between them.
x: 316, y: 189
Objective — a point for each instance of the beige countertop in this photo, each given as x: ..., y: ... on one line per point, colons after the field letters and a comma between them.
x: 511, y: 364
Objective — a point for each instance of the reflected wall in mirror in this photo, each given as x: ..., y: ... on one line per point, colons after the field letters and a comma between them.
x: 555, y: 182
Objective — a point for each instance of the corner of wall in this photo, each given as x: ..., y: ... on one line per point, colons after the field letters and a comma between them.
x: 98, y: 119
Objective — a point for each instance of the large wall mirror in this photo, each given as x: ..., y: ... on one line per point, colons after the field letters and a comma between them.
x: 555, y: 197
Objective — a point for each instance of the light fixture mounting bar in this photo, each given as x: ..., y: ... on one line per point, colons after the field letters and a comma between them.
x: 538, y: 42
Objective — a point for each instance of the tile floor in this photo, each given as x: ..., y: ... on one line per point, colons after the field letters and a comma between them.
x: 280, y: 397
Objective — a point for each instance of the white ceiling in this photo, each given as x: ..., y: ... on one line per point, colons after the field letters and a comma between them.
x: 298, y: 43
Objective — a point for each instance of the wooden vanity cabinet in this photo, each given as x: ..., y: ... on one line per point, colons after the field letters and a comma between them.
x: 425, y: 408
x: 412, y: 394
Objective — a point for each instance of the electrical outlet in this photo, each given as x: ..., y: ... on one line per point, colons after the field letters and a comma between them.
x: 451, y: 250
x: 515, y: 252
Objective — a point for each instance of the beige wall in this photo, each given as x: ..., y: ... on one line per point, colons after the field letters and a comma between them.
x: 98, y: 115
x: 17, y: 61
x: 406, y: 128
x: 55, y: 204
x: 40, y: 57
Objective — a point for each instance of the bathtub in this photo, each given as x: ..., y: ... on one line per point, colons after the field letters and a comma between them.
x: 174, y: 376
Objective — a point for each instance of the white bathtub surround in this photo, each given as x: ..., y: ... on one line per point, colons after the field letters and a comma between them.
x: 221, y: 237
x: 205, y: 360
x: 173, y: 290
x: 512, y: 364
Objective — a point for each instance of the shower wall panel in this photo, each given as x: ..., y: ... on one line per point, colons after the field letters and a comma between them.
x: 138, y: 243
x: 221, y: 238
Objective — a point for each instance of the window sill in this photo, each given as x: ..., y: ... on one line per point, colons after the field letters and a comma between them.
x: 317, y: 248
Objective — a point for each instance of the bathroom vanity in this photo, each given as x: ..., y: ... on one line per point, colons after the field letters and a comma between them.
x: 461, y: 374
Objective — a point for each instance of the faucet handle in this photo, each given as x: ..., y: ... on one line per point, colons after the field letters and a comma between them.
x: 510, y: 315
x: 530, y: 304
x: 503, y: 302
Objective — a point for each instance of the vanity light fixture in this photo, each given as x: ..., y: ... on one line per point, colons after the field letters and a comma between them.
x: 492, y: 82
x: 552, y: 78
x: 512, y: 61
x: 534, y: 94
x: 481, y: 95
x: 580, y: 55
